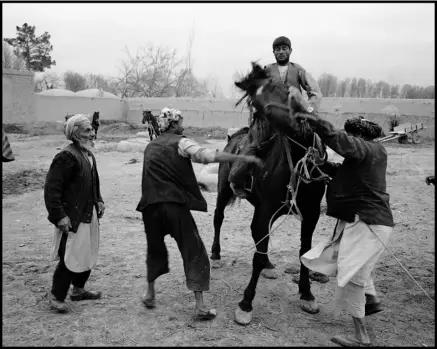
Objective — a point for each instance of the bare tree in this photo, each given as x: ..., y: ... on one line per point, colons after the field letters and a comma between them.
x: 96, y: 81
x: 11, y: 60
x: 186, y: 81
x: 152, y: 71
x: 47, y: 81
x: 74, y: 81
x: 212, y: 87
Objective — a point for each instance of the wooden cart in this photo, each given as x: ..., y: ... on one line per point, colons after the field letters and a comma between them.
x: 405, y: 133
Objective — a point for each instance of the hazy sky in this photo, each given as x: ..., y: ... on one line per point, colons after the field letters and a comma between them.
x: 392, y: 42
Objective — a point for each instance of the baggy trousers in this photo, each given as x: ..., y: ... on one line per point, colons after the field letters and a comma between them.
x: 63, y: 278
x: 176, y: 220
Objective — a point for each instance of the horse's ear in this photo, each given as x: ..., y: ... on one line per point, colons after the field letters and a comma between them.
x: 240, y: 85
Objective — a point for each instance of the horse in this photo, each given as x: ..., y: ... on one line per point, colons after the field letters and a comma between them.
x: 95, y: 123
x: 273, y: 184
x: 153, y: 127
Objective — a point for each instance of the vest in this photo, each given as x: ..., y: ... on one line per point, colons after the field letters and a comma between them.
x: 169, y: 177
x: 292, y: 78
x: 78, y: 195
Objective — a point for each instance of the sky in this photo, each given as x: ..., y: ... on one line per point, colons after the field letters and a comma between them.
x: 393, y: 42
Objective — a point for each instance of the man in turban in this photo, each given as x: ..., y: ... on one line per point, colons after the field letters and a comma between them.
x: 74, y: 204
x: 291, y: 74
x: 357, y: 197
x: 169, y: 192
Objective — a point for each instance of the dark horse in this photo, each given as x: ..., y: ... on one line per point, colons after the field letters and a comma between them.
x: 271, y: 185
x: 153, y: 124
x: 95, y: 123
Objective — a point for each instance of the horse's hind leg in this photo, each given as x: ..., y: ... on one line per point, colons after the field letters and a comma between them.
x: 223, y: 198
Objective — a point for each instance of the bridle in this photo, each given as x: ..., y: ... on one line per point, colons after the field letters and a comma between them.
x: 300, y: 172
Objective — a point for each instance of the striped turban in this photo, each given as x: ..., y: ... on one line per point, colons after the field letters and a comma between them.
x: 71, y: 124
x: 360, y: 126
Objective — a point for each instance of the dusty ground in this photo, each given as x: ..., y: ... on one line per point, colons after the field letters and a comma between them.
x: 119, y: 318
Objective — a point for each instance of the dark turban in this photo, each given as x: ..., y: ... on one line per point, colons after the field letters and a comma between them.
x: 363, y: 127
x: 282, y: 40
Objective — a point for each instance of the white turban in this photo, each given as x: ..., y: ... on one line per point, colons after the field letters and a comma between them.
x: 167, y: 115
x: 75, y: 120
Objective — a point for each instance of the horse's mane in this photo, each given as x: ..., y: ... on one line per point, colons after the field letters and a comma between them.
x: 241, y: 131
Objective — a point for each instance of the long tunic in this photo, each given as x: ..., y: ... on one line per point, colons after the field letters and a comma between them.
x: 82, y: 248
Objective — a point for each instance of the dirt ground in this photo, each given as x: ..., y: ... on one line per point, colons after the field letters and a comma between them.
x: 120, y: 319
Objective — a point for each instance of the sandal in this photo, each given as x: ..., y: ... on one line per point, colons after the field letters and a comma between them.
x: 86, y: 295
x: 348, y: 342
x: 205, y: 315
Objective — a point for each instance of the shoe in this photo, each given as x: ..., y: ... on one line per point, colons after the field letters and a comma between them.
x: 205, y: 315
x: 85, y: 295
x: 348, y: 342
x: 57, y: 305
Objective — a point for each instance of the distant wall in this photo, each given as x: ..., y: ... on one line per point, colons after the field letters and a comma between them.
x: 197, y: 112
x: 54, y: 108
x: 212, y: 112
x: 18, y: 96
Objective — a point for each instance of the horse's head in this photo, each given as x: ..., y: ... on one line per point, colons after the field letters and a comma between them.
x: 147, y: 116
x: 96, y: 115
x: 274, y: 99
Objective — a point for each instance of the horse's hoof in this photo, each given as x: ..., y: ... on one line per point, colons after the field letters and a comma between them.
x: 243, y: 317
x: 319, y: 277
x: 309, y: 306
x: 217, y: 263
x: 270, y: 273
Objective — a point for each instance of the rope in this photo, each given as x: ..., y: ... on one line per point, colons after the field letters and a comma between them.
x: 397, y: 260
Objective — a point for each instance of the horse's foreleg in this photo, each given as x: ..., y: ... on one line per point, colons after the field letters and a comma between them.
x: 269, y: 270
x: 219, y: 215
x: 243, y: 313
x: 223, y: 197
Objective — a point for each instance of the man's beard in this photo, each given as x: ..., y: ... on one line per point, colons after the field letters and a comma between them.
x: 88, y: 145
x: 283, y: 60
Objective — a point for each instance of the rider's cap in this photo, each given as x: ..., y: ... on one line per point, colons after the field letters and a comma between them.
x: 282, y: 40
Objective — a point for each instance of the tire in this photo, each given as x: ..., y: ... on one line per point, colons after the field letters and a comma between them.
x: 416, y: 138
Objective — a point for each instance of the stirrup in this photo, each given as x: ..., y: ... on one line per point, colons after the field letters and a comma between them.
x: 249, y: 189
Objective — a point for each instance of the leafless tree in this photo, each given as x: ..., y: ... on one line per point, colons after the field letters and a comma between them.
x: 97, y: 81
x: 47, y: 81
x: 74, y: 81
x: 152, y: 71
x: 10, y: 60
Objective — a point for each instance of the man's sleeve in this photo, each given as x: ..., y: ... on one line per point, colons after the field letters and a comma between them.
x: 99, y: 195
x: 189, y: 148
x: 310, y: 85
x: 58, y: 174
x: 339, y: 141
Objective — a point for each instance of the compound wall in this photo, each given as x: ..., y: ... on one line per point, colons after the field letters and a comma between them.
x: 18, y: 96
x: 54, y: 108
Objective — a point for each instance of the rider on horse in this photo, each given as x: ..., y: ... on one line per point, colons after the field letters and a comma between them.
x: 291, y: 74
